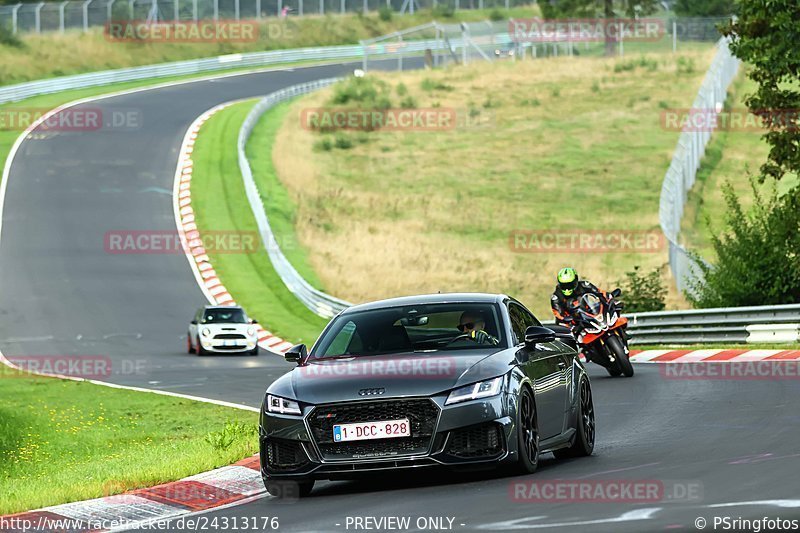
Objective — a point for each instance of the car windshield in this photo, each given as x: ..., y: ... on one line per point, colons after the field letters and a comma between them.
x: 224, y: 316
x: 413, y: 328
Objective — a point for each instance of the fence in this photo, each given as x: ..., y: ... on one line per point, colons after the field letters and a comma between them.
x: 83, y: 14
x: 682, y: 171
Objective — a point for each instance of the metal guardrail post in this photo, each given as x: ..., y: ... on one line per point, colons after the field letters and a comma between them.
x: 85, y: 10
x: 14, y: 22
x: 38, y: 17
x: 61, y: 7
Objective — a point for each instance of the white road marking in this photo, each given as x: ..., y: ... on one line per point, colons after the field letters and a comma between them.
x: 525, y: 523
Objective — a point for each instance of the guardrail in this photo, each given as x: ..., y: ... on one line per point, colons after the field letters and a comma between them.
x: 759, y: 324
x: 317, y: 301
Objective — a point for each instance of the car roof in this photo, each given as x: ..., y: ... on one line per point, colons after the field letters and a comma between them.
x: 222, y: 307
x: 422, y: 299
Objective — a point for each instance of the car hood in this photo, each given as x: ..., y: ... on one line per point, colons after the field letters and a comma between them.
x: 414, y: 374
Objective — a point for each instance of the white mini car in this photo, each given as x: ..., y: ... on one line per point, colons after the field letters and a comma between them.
x: 222, y: 329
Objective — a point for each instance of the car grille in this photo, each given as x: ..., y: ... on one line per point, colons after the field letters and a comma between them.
x: 285, y: 455
x: 484, y: 440
x: 229, y: 336
x: 422, y: 414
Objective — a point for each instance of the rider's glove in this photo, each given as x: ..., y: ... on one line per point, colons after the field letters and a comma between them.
x: 481, y: 337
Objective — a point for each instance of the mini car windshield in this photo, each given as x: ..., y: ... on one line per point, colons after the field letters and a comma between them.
x: 408, y: 329
x: 224, y: 316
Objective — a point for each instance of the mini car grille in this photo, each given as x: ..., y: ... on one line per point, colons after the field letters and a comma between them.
x: 229, y: 336
x: 285, y: 455
x: 484, y: 440
x: 422, y: 415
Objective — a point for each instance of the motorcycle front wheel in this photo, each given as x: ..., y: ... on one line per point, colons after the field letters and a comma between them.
x: 623, y: 363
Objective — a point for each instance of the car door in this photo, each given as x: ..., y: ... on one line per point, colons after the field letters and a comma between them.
x: 545, y: 366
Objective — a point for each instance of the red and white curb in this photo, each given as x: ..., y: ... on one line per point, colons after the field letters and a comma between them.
x: 206, y: 277
x: 218, y: 488
x: 712, y: 355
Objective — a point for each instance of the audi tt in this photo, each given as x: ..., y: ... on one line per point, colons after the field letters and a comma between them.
x: 444, y: 380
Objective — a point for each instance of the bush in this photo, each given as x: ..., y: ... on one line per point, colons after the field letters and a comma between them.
x: 757, y: 253
x: 343, y: 143
x: 9, y: 39
x: 443, y: 11
x: 685, y: 65
x: 385, y: 13
x: 643, y: 292
x: 432, y: 85
x: 367, y: 92
x: 408, y: 102
x: 323, y: 145
x: 496, y: 15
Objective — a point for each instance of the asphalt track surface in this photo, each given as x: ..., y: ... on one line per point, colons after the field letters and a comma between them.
x: 722, y: 442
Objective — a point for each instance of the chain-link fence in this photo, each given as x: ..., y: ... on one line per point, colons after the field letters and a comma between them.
x: 64, y: 15
x: 682, y: 172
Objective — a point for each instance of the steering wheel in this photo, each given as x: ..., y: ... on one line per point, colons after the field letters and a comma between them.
x: 458, y: 338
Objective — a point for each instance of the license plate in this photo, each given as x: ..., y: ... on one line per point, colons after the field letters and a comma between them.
x: 232, y: 343
x: 386, y: 429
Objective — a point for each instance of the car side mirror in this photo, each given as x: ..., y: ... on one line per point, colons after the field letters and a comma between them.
x: 616, y: 293
x: 296, y: 353
x: 194, y: 322
x: 538, y: 334
x: 253, y: 321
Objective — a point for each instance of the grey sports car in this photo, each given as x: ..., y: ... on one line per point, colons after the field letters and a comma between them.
x: 442, y: 380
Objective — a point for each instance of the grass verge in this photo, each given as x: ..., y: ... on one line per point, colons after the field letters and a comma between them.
x: 220, y: 204
x: 63, y: 441
x: 550, y: 145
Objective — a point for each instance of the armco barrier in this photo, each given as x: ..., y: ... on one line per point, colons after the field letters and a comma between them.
x: 758, y: 324
x: 317, y: 301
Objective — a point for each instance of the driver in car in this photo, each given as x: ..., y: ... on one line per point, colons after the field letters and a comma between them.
x: 472, y: 325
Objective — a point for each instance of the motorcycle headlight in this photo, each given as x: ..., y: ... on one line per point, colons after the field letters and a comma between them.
x: 251, y: 331
x: 276, y: 404
x: 206, y: 332
x: 482, y: 389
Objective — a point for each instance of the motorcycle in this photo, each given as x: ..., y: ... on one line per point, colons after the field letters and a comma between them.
x: 602, y: 337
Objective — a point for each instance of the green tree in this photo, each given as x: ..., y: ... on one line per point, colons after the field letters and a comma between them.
x: 707, y: 8
x: 765, y: 34
x: 758, y: 253
x: 607, y: 9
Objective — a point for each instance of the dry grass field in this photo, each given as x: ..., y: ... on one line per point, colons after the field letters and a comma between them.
x: 553, y: 145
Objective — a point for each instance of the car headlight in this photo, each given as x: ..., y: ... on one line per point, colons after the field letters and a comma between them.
x: 251, y: 331
x: 206, y: 332
x: 282, y: 406
x: 482, y: 389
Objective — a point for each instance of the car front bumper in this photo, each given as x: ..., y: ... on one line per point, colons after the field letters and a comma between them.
x: 477, y: 433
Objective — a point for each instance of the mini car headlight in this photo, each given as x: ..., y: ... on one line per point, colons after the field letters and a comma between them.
x: 251, y: 331
x: 283, y: 406
x: 482, y: 389
x: 206, y: 332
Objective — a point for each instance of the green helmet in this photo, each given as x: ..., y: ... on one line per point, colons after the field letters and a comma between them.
x: 567, y: 280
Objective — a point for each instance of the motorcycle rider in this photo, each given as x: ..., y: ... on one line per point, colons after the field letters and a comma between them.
x: 567, y: 295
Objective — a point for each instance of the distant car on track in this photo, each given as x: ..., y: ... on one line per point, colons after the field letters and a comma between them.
x: 407, y: 383
x: 222, y: 329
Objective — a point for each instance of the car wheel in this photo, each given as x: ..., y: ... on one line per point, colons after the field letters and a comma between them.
x: 189, y: 347
x: 286, y: 489
x: 623, y: 363
x: 200, y: 349
x: 254, y: 351
x: 585, y: 432
x: 527, y: 433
